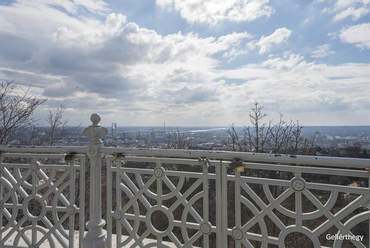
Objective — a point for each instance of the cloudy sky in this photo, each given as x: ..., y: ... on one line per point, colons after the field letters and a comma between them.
x: 191, y: 62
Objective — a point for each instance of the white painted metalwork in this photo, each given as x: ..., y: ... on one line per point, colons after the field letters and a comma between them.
x: 38, y: 199
x: 96, y: 237
x: 180, y: 198
x: 325, y: 213
x: 230, y: 226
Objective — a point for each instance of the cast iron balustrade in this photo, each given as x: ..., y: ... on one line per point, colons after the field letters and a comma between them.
x: 179, y: 198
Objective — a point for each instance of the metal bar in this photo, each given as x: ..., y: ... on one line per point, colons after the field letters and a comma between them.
x: 82, y: 201
x: 259, y: 166
x: 44, y: 149
x: 237, y: 196
x: 1, y: 199
x: 246, y: 156
x: 298, y: 205
x: 72, y: 192
x: 224, y: 204
x: 205, y: 201
x: 224, y: 155
x: 44, y: 166
x: 307, y: 169
x: 159, y: 184
x: 368, y: 184
x: 109, y: 202
x: 118, y: 205
x: 219, y: 205
x: 164, y: 160
x: 38, y: 155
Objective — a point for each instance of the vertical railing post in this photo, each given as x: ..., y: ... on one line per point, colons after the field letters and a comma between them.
x: 222, y: 202
x: 95, y: 237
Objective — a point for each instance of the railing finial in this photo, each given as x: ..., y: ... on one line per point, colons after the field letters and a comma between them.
x: 95, y: 119
x: 94, y: 131
x: 95, y: 237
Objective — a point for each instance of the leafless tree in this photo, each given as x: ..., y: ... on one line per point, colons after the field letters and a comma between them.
x: 177, y: 140
x: 280, y: 137
x: 56, y: 123
x: 16, y: 109
x: 256, y: 135
x: 234, y: 137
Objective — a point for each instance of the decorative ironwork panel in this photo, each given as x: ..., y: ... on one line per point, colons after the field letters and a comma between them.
x: 161, y: 202
x: 41, y: 197
x: 292, y: 206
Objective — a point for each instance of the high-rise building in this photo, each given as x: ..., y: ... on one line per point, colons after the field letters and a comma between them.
x: 114, y: 130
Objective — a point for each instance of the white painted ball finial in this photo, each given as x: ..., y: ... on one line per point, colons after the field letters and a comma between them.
x: 95, y: 132
x: 95, y: 119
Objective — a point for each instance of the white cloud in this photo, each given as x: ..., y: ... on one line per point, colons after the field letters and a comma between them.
x: 359, y: 35
x: 342, y: 4
x: 95, y: 6
x: 37, y: 20
x: 136, y: 67
x: 279, y: 36
x: 95, y: 33
x: 293, y: 86
x: 71, y: 6
x: 351, y: 12
x: 136, y: 76
x: 322, y: 51
x: 214, y: 11
x: 349, y: 8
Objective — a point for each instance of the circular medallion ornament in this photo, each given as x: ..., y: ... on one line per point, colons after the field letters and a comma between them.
x: 237, y: 234
x: 205, y: 228
x: 34, y: 207
x: 305, y: 235
x: 159, y: 172
x: 165, y: 226
x: 297, y: 184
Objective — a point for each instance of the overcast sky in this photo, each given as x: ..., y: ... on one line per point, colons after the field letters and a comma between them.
x: 191, y: 62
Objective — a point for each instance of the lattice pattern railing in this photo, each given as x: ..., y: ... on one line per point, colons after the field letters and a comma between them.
x: 296, y: 206
x: 269, y: 205
x: 177, y: 198
x: 167, y: 198
x: 41, y: 200
x: 161, y: 202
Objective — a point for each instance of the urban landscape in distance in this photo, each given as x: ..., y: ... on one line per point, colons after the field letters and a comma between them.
x: 327, y: 140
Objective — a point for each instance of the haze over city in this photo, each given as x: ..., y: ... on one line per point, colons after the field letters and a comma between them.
x: 190, y: 63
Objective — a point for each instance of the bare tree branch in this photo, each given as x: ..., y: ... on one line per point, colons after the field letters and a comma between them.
x: 16, y: 109
x: 281, y: 137
x: 56, y: 123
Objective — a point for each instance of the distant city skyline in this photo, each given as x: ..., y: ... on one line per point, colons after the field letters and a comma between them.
x: 191, y: 63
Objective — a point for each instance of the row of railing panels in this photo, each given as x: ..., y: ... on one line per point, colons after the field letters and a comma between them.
x: 179, y: 198
x: 176, y: 198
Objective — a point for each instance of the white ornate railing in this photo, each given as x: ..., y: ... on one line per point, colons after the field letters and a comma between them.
x: 38, y: 199
x: 180, y: 198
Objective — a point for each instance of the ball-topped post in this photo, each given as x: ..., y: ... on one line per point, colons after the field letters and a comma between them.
x: 95, y: 237
x: 94, y: 131
x: 95, y: 119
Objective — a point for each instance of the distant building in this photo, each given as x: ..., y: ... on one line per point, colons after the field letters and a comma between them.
x: 114, y: 130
